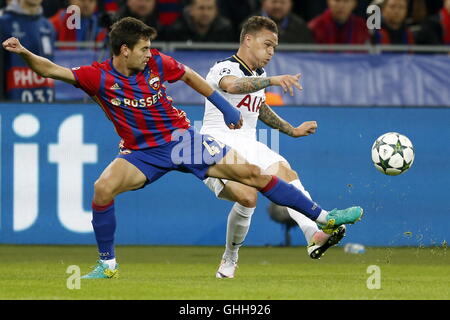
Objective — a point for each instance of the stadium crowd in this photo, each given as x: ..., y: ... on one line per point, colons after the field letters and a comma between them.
x: 404, y: 22
x: 301, y: 21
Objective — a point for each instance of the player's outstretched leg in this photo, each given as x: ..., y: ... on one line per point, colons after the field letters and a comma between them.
x: 118, y: 177
x: 318, y: 241
x: 234, y: 167
x: 287, y: 195
x: 282, y: 193
x: 238, y: 224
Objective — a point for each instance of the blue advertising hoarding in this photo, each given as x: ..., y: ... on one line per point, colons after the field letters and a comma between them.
x: 335, y: 79
x: 51, y: 155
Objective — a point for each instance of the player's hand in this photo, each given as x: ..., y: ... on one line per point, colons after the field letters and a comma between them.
x: 305, y: 129
x: 287, y: 82
x: 13, y: 45
x: 233, y: 126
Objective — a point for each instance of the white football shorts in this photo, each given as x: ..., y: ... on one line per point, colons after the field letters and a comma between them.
x: 253, y: 151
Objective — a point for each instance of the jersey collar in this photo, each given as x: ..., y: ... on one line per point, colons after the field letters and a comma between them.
x: 243, y: 64
x: 245, y: 68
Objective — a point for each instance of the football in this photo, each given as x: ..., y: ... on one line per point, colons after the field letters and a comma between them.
x: 392, y: 153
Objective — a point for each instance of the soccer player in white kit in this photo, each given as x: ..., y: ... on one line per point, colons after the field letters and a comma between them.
x: 241, y: 79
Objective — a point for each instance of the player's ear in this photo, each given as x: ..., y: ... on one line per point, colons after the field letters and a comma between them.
x: 247, y: 39
x: 124, y: 50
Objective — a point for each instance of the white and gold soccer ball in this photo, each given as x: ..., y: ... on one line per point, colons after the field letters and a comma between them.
x: 392, y: 153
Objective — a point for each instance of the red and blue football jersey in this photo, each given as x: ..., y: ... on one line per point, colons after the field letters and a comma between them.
x: 137, y: 105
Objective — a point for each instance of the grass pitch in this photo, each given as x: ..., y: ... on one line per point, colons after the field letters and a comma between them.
x: 185, y: 273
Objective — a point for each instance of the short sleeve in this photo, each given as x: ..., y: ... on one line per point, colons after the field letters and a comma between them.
x: 173, y: 70
x: 264, y: 73
x: 88, y: 79
x: 223, y: 69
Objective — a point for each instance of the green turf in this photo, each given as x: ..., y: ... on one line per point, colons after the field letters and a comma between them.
x: 175, y: 273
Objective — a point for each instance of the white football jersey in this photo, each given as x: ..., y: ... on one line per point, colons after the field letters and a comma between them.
x: 248, y: 104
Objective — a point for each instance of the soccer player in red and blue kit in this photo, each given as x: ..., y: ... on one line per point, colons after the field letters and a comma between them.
x: 157, y: 137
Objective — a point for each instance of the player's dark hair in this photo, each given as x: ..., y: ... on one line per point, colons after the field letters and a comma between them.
x: 257, y: 23
x: 129, y: 31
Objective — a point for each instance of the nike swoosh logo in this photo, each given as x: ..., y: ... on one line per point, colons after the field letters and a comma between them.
x: 237, y: 244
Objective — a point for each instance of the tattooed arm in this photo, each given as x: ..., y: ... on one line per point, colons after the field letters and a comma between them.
x: 269, y: 117
x: 235, y: 85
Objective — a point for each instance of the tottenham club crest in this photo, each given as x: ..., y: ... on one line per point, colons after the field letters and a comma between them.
x: 154, y: 82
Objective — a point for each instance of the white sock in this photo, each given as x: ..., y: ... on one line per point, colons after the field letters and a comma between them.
x: 322, y: 218
x: 111, y: 263
x: 308, y: 226
x: 238, y: 224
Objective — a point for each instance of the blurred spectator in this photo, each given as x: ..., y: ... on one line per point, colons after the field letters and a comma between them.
x: 393, y: 28
x: 51, y: 7
x: 201, y: 22
x: 3, y: 4
x: 169, y: 11
x: 291, y: 28
x: 110, y: 6
x: 338, y: 25
x: 227, y: 8
x: 433, y: 6
x: 418, y: 12
x: 436, y: 29
x: 155, y: 13
x: 143, y: 10
x: 89, y: 30
x: 309, y: 9
x: 361, y: 8
x: 24, y: 20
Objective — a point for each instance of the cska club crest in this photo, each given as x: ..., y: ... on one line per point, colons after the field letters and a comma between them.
x: 154, y: 81
x: 115, y: 102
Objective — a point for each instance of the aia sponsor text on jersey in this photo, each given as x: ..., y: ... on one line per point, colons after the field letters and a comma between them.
x: 252, y: 103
